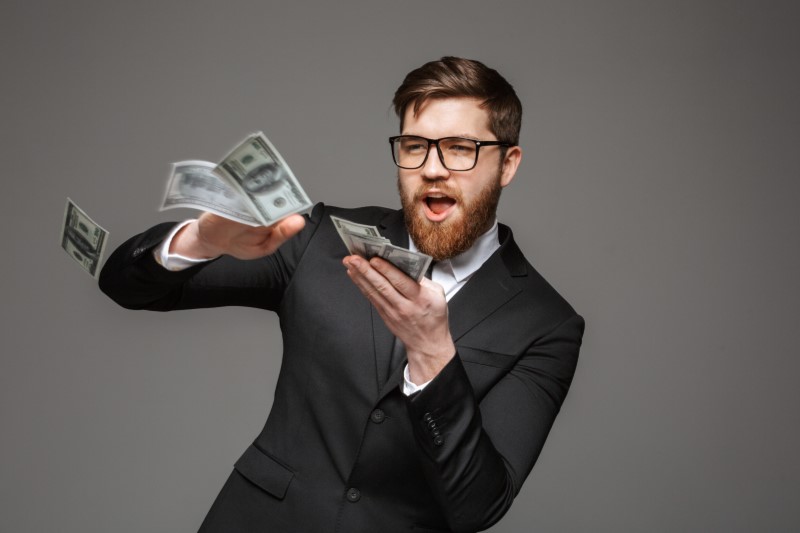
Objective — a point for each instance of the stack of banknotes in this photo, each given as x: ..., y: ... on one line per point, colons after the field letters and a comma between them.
x: 367, y: 242
x: 252, y: 185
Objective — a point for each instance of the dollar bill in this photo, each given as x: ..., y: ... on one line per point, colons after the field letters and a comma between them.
x: 347, y: 229
x: 194, y: 184
x: 259, y: 173
x: 83, y: 239
x: 365, y: 246
x: 413, y: 264
x: 367, y: 242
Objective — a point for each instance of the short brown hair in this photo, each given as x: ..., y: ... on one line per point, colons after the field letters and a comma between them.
x: 453, y: 77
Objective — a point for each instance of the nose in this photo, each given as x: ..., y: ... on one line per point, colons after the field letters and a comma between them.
x: 434, y: 169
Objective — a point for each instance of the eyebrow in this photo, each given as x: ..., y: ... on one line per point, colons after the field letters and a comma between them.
x: 463, y: 135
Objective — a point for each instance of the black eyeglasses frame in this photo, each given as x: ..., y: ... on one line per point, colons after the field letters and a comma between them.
x: 435, y: 142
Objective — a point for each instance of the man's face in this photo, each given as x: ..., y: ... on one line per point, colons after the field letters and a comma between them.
x: 445, y: 210
x: 262, y: 178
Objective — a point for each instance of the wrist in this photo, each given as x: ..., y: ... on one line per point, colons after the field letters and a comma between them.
x: 424, y: 366
x: 187, y: 243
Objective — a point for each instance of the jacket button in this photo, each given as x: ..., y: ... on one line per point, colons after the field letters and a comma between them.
x: 378, y: 416
x: 353, y: 495
x: 427, y: 417
x: 431, y: 425
x: 438, y: 440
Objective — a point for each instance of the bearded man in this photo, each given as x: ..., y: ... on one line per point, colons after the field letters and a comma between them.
x: 400, y: 406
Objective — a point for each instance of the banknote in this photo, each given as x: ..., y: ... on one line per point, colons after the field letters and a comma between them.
x: 193, y: 184
x: 83, y: 239
x: 413, y: 264
x: 367, y: 242
x: 347, y: 229
x: 365, y: 246
x: 259, y: 173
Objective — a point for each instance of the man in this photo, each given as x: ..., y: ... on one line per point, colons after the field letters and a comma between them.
x: 400, y: 406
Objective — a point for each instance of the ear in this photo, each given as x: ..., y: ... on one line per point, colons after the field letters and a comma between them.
x: 510, y: 164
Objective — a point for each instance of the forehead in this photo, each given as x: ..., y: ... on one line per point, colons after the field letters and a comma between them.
x: 445, y: 117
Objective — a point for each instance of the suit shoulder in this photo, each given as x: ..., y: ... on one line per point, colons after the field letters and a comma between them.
x: 534, y: 285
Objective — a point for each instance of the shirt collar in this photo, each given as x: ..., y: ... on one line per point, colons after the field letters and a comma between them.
x: 464, y: 265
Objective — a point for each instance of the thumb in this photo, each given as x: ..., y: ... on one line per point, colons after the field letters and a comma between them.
x: 290, y: 226
x: 282, y: 232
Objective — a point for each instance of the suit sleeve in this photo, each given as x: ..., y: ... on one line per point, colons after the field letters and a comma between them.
x: 476, y: 455
x: 132, y: 277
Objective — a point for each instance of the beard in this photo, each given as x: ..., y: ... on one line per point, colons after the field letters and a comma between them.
x: 454, y: 235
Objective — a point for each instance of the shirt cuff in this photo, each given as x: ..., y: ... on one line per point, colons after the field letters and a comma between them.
x: 174, y: 262
x: 410, y: 388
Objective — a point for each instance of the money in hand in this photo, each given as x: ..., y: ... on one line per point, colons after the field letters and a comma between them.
x: 367, y: 242
x: 193, y: 184
x: 83, y: 239
x: 258, y: 171
x: 252, y: 185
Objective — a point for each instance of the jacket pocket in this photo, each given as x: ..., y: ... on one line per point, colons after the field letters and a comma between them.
x: 485, y: 356
x: 264, y: 471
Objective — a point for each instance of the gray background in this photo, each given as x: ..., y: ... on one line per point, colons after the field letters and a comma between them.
x: 657, y: 193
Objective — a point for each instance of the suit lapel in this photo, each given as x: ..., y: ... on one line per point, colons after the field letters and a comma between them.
x: 393, y: 228
x: 489, y: 288
x: 383, y: 340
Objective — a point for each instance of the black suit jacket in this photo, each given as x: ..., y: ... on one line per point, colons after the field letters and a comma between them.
x: 343, y: 449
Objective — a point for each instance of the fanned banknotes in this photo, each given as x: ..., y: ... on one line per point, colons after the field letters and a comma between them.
x: 367, y: 242
x: 194, y: 184
x: 252, y: 185
x: 83, y: 239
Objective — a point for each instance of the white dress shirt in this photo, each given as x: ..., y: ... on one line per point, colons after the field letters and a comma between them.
x: 451, y: 274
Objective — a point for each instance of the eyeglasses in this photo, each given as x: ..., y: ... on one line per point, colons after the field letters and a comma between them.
x: 455, y: 153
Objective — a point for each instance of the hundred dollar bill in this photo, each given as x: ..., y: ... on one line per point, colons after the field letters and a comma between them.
x: 413, y: 264
x: 193, y: 184
x: 259, y: 173
x: 83, y: 239
x: 365, y: 246
x: 367, y: 242
x: 346, y: 228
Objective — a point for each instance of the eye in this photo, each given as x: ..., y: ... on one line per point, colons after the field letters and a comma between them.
x: 461, y: 147
x: 413, y: 146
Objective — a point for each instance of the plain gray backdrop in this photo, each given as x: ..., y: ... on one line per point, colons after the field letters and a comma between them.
x: 657, y: 192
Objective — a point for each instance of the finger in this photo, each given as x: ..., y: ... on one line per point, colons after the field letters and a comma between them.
x: 277, y: 234
x: 289, y: 227
x: 431, y: 285
x: 372, y: 295
x: 371, y: 282
x: 399, y: 279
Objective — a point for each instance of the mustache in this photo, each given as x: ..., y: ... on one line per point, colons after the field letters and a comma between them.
x: 441, y: 187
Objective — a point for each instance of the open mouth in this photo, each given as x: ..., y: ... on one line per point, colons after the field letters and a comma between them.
x: 437, y: 205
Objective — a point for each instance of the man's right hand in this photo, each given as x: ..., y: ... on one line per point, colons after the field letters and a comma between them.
x: 211, y: 236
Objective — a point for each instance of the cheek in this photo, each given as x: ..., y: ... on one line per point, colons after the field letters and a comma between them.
x: 466, y: 190
x: 406, y: 185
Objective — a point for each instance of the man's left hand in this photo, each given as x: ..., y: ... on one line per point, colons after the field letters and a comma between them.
x: 416, y: 313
